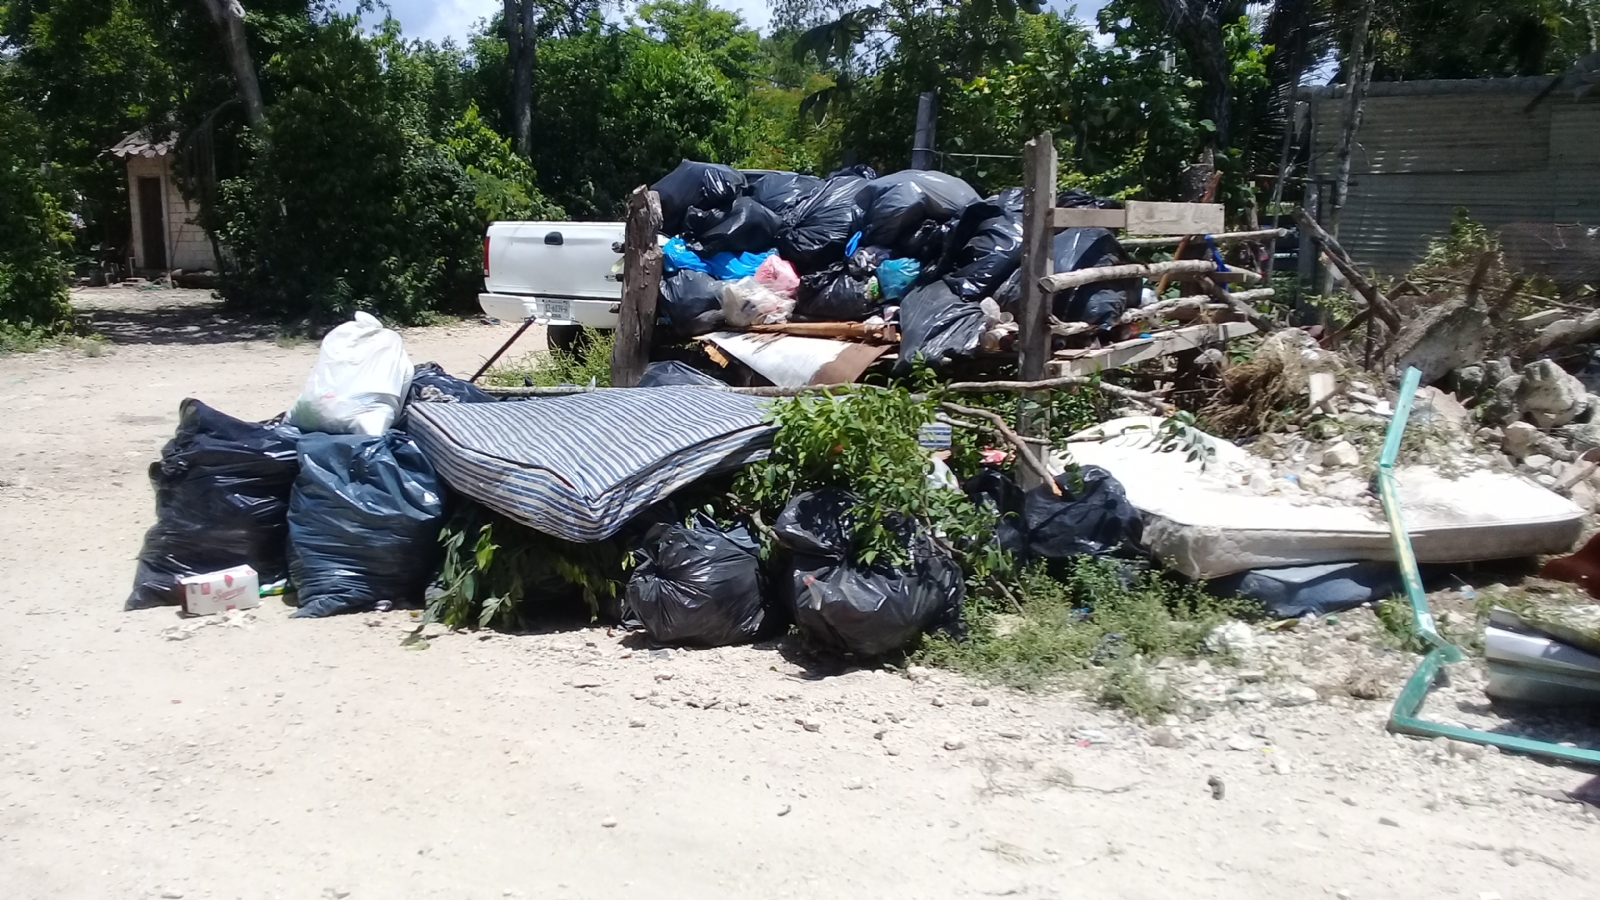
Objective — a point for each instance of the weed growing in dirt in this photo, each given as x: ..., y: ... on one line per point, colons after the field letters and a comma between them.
x: 28, y: 339
x: 589, y: 363
x: 1394, y: 614
x: 1099, y: 627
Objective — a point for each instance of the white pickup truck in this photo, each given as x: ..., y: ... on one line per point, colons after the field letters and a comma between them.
x: 563, y: 275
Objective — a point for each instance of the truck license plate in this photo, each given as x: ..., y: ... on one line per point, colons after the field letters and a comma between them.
x: 556, y: 309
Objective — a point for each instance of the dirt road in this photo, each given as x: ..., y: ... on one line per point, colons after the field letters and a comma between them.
x: 319, y: 758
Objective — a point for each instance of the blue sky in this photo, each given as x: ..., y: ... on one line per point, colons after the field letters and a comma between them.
x: 438, y: 19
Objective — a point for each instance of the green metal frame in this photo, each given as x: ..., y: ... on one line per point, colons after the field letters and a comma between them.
x: 1403, y: 718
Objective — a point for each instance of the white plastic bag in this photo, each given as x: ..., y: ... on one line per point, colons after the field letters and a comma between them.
x: 746, y: 302
x: 360, y: 381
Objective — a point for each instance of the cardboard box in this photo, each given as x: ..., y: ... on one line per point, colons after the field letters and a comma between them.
x: 214, y: 592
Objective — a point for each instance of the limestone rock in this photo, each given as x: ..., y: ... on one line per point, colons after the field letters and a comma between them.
x: 1341, y: 455
x: 1519, y: 439
x: 1550, y: 396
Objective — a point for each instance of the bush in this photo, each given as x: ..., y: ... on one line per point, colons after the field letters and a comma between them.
x: 349, y: 202
x: 33, y: 229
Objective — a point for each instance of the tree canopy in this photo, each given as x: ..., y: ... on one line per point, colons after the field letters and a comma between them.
x: 377, y: 160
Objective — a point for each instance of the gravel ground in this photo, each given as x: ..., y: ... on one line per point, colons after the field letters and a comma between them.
x: 258, y: 756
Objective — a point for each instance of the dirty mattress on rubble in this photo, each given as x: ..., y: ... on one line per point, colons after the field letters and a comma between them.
x: 579, y: 467
x: 1202, y: 521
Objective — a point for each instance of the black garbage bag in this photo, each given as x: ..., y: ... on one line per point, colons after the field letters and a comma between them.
x: 696, y: 220
x: 364, y: 520
x: 832, y: 295
x: 222, y: 499
x: 698, y: 585
x: 1078, y: 198
x: 430, y: 383
x: 895, y: 206
x: 1099, y: 304
x: 1009, y: 293
x: 937, y: 325
x: 864, y: 610
x: 1091, y: 517
x: 671, y: 373
x: 705, y: 185
x: 782, y: 192
x: 990, y: 249
x: 692, y: 302
x: 861, y: 170
x: 929, y: 244
x: 817, y: 232
x: 748, y: 227
x: 865, y: 261
x: 997, y: 491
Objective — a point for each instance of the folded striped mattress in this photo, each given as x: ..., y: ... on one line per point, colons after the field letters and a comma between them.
x: 579, y: 467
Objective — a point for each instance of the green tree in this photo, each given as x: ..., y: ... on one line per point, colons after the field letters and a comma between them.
x: 359, y: 192
x: 34, y: 233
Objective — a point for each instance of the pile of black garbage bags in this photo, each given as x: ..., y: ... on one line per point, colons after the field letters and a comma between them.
x: 352, y: 522
x: 919, y: 248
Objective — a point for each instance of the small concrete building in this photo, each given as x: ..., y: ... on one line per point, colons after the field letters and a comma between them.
x: 165, y: 235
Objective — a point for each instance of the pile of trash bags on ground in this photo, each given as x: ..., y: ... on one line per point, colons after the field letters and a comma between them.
x: 338, y: 508
x: 921, y: 248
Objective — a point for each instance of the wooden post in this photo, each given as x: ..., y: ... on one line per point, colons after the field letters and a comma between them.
x: 922, y: 143
x: 641, y: 285
x: 1033, y: 313
x: 1358, y: 73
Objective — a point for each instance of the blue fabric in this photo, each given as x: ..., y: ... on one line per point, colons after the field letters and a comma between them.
x: 579, y: 467
x: 896, y: 275
x: 850, y: 248
x: 679, y: 256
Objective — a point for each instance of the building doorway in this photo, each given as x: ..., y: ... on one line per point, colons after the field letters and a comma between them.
x: 152, y: 223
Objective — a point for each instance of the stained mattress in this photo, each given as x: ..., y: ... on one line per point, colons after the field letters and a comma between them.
x: 1206, y: 523
x: 579, y: 467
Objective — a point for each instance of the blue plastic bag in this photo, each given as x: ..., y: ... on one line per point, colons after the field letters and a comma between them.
x: 679, y: 256
x: 895, y: 277
x: 729, y: 267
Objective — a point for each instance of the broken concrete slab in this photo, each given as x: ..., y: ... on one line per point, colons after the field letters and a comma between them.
x: 1444, y: 338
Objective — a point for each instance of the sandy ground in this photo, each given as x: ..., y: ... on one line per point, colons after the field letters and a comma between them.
x: 320, y: 758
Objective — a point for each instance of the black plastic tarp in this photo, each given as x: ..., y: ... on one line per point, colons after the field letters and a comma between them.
x: 867, y: 610
x: 937, y: 325
x: 364, y: 519
x: 816, y: 233
x: 222, y: 499
x: 708, y: 186
x: 692, y: 302
x: 699, y: 585
x: 896, y: 206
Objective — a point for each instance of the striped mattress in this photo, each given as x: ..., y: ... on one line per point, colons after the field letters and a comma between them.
x: 579, y: 467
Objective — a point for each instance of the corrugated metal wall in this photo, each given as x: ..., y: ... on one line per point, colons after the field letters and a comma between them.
x: 1427, y: 148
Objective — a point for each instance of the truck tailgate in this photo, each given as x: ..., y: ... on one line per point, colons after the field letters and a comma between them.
x: 554, y: 259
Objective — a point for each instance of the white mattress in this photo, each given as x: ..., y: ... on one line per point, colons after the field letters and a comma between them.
x: 1207, y: 524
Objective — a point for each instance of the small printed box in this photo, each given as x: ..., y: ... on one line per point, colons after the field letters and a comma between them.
x: 214, y: 592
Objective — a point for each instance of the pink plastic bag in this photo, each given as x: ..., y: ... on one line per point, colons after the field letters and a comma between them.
x: 776, y: 275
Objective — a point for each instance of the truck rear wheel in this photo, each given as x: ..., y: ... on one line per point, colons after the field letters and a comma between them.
x: 566, y: 338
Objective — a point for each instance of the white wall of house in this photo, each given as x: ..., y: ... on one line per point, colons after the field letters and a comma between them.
x: 187, y: 245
